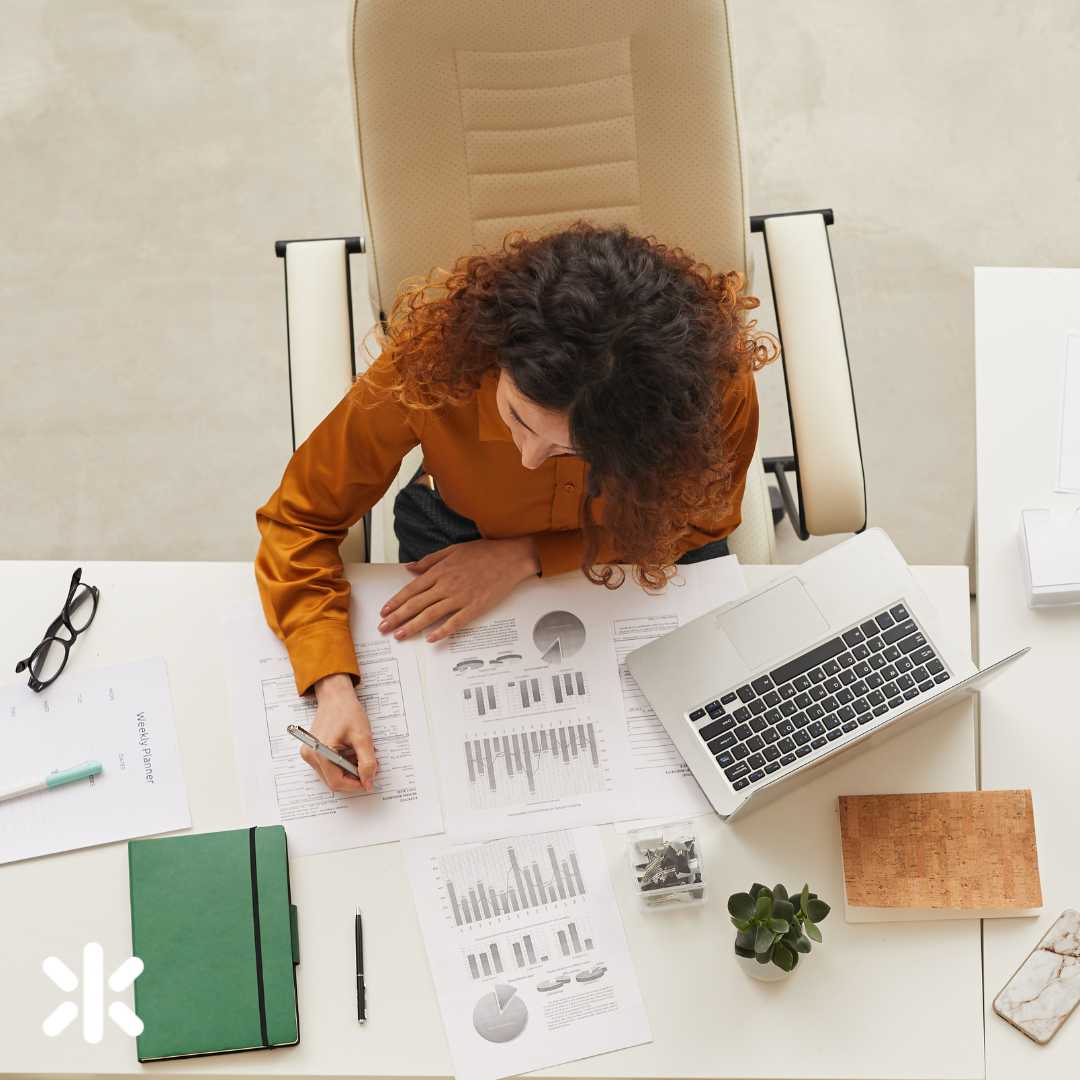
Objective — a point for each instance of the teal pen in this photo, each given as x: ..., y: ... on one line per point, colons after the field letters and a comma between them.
x: 54, y: 780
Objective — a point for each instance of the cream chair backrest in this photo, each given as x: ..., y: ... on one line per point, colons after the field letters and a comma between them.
x: 475, y: 117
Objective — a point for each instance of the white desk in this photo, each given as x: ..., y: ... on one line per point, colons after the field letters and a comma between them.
x: 874, y: 1001
x: 1028, y: 718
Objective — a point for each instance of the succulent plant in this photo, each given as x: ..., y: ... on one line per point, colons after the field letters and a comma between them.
x: 774, y: 927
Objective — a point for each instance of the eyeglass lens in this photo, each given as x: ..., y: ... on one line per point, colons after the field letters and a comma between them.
x: 47, y: 659
x: 81, y: 608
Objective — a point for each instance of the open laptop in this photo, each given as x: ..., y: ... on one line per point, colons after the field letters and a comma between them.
x: 835, y: 654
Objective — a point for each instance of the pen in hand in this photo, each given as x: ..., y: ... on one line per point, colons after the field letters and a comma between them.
x: 361, y: 996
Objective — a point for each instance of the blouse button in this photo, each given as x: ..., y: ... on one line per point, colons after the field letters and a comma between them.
x: 569, y: 486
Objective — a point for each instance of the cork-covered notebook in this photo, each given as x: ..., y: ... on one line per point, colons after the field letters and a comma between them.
x: 946, y: 855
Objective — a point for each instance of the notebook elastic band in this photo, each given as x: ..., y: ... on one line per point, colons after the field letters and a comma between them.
x: 258, y: 936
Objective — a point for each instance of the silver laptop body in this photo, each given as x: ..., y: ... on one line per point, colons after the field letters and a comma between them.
x: 833, y: 655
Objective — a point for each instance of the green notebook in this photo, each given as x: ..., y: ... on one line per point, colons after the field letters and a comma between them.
x: 212, y: 921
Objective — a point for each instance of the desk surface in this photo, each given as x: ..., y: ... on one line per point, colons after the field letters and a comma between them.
x: 901, y: 1000
x: 1029, y: 731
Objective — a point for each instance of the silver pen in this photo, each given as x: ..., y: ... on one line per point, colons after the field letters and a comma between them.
x: 305, y: 736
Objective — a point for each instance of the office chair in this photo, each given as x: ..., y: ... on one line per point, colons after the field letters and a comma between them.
x: 475, y: 117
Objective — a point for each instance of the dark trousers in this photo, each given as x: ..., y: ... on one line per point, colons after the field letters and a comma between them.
x: 423, y: 523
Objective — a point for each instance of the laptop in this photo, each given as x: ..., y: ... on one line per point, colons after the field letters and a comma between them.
x: 830, y: 657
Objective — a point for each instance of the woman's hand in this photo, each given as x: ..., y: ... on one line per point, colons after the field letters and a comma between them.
x: 342, y: 723
x: 458, y: 583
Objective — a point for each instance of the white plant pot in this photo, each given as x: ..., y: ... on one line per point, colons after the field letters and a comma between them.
x: 762, y: 972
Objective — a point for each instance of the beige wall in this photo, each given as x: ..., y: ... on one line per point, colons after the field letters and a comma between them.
x: 152, y: 153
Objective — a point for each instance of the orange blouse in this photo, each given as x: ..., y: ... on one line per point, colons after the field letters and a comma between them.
x: 349, y: 461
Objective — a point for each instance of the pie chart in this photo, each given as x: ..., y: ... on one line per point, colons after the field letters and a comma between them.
x: 558, y: 635
x: 500, y: 1015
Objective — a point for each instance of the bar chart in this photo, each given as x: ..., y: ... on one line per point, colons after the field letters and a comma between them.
x: 544, y: 761
x: 522, y: 950
x: 530, y: 873
x: 524, y: 695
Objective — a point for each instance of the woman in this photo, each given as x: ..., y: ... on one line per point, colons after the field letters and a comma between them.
x: 582, y: 399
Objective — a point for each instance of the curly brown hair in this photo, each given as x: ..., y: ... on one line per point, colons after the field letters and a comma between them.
x: 635, y: 341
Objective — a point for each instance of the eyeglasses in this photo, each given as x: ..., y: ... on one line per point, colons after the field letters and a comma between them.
x: 49, y: 658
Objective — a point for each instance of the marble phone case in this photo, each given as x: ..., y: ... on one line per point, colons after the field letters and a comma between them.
x: 1045, y: 989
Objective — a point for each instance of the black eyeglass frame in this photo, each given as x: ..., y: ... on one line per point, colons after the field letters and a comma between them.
x: 51, y: 639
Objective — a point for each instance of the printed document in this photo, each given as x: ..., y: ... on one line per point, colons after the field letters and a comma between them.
x: 279, y: 786
x: 538, y: 724
x: 120, y: 716
x: 527, y: 951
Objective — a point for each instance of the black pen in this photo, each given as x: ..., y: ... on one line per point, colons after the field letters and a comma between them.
x: 361, y: 996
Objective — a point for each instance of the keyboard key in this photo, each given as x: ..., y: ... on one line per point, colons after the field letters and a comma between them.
x: 847, y: 677
x: 786, y: 745
x: 741, y: 713
x: 890, y: 689
x: 757, y: 706
x: 831, y: 667
x: 903, y: 664
x: 862, y: 705
x: 935, y: 666
x: 816, y: 728
x: 859, y: 688
x: 833, y: 684
x: 756, y: 742
x: 754, y: 777
x: 846, y: 713
x: 877, y: 661
x: 771, y: 753
x: 905, y: 682
x: 817, y: 675
x: 893, y: 702
x: 724, y: 760
x: 830, y: 704
x: 927, y: 685
x: 758, y: 723
x: 815, y: 712
x: 802, y: 664
x: 920, y: 674
x: 772, y: 699
x: 910, y: 644
x: 884, y: 620
x: 818, y: 692
x: 802, y: 751
x: 899, y: 613
x: 801, y: 738
x: 740, y: 784
x: 876, y: 697
x: 834, y: 735
x: 875, y: 645
x: 787, y: 691
x: 801, y: 683
x: 860, y: 652
x: 762, y: 684
x: 788, y: 708
x: 866, y: 717
x: 785, y: 727
x: 892, y: 653
x: 744, y: 731
x: 737, y: 771
x: 899, y: 631
x: 923, y: 654
x: 697, y: 714
x: 803, y: 701
x: 818, y: 743
x: 724, y: 742
x: 787, y: 759
x: 854, y: 637
x: 846, y: 659
x: 746, y: 695
x: 717, y: 727
x: 831, y: 721
x: 889, y: 672
x: 739, y: 752
x: 800, y: 720
x: 869, y: 628
x: 756, y: 761
x: 727, y: 699
x: 714, y: 709
x: 774, y: 767
x: 845, y: 696
x: 943, y: 677
x: 881, y: 710
x: 770, y: 735
x: 910, y: 694
x: 851, y: 725
x: 874, y: 680
x: 863, y: 669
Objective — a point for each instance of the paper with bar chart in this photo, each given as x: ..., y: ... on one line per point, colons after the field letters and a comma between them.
x: 527, y: 951
x: 538, y: 722
x: 279, y: 787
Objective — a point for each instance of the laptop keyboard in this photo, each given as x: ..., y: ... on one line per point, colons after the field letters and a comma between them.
x: 830, y: 692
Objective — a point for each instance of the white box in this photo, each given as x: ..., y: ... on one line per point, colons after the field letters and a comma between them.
x: 1050, y: 542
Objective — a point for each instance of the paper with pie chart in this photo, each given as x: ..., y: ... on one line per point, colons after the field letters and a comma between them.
x: 527, y: 951
x: 537, y: 721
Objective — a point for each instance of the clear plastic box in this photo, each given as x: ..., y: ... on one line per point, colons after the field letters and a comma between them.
x: 666, y: 865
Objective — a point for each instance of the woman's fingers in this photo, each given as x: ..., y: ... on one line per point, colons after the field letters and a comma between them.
x: 428, y: 561
x: 413, y: 604
x: 367, y: 765
x: 460, y: 619
x: 415, y: 588
x: 425, y: 618
x: 332, y: 775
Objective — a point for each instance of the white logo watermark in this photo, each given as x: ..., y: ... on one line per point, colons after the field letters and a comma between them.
x: 93, y: 994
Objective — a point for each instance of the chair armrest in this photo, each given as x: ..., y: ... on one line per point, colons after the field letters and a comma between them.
x: 821, y: 403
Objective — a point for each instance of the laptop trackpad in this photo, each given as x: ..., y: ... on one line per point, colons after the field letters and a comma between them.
x: 773, y: 625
